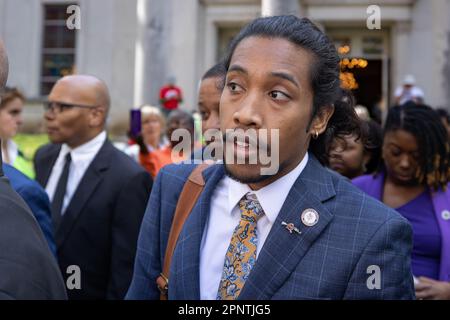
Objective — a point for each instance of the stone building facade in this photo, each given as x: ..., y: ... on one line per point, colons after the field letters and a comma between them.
x: 135, y: 45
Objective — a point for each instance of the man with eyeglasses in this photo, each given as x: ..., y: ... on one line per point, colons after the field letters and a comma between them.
x: 98, y: 194
x: 28, y: 270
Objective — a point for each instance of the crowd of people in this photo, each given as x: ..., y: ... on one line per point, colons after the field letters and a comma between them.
x: 350, y: 192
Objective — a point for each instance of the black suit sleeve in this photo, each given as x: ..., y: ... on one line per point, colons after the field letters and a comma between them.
x: 28, y: 270
x: 127, y: 218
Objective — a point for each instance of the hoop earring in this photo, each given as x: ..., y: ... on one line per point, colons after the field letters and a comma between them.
x: 315, y: 135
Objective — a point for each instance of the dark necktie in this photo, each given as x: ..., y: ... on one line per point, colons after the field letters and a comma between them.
x: 60, y: 192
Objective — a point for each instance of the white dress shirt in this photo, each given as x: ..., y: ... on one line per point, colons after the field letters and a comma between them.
x: 225, y: 216
x: 13, y: 151
x: 82, y: 157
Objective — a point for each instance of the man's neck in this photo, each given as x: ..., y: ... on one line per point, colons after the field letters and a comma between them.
x: 282, y: 172
x: 77, y: 144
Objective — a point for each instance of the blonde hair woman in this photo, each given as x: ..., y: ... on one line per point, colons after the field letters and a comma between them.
x: 152, y: 136
x: 152, y: 128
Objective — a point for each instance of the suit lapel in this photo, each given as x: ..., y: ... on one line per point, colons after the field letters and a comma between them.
x: 48, y: 161
x: 282, y: 250
x: 187, y: 256
x: 86, y: 188
x: 46, y: 165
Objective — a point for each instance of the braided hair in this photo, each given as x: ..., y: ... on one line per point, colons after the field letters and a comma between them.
x: 424, y: 124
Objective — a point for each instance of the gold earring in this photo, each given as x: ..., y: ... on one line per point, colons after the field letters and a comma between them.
x: 315, y: 135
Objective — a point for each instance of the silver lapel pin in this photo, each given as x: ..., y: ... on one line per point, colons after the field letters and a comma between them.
x: 310, y: 217
x: 291, y: 227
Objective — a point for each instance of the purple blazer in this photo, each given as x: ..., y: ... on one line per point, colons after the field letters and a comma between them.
x: 373, y: 186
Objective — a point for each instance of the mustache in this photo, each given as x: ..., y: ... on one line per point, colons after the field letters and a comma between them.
x: 253, y: 138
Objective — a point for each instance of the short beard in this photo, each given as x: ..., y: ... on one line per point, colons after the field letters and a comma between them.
x: 249, y: 180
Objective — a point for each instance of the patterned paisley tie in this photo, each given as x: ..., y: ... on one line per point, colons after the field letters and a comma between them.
x: 241, y: 254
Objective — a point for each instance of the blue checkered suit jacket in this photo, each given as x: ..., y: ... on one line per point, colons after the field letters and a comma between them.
x: 332, y: 260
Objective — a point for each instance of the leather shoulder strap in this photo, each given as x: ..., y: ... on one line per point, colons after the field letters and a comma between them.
x: 188, y: 198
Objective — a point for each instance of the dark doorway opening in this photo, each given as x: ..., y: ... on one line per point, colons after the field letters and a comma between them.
x: 369, y: 92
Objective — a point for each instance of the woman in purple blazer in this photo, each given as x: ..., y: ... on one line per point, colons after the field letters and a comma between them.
x: 414, y: 180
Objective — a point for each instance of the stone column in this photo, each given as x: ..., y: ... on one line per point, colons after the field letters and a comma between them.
x: 152, y: 48
x: 446, y: 73
x: 183, y: 50
x: 400, y: 64
x: 280, y: 7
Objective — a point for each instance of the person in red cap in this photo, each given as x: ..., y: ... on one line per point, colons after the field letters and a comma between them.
x: 170, y: 96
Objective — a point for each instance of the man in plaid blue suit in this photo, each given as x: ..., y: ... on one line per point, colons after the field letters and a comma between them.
x: 318, y: 237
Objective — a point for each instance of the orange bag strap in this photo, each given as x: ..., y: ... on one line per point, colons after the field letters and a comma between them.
x: 188, y: 198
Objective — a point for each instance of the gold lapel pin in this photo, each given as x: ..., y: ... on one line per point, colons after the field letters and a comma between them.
x: 291, y: 227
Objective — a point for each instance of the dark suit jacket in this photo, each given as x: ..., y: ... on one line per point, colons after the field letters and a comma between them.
x: 335, y: 259
x: 36, y: 198
x: 99, y: 229
x: 28, y: 270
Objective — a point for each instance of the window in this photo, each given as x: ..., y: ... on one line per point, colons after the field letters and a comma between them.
x: 58, y: 46
x: 225, y: 35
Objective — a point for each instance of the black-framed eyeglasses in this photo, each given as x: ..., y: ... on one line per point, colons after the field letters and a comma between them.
x: 59, y: 107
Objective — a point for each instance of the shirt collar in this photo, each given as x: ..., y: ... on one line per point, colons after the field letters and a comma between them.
x: 89, y: 148
x: 13, y: 151
x: 272, y: 196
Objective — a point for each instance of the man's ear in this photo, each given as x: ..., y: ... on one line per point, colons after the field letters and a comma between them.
x: 97, y: 117
x: 320, y: 121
